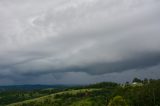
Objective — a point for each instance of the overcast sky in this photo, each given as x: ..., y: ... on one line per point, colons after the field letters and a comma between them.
x: 78, y: 41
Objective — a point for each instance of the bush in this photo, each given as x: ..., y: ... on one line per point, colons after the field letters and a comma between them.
x: 117, y: 101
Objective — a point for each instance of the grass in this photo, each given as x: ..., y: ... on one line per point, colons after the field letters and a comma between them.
x: 83, y: 102
x: 51, y: 96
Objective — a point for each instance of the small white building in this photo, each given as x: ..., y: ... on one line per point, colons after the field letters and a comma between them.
x: 137, y: 84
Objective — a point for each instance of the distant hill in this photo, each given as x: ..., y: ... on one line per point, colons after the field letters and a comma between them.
x: 31, y: 87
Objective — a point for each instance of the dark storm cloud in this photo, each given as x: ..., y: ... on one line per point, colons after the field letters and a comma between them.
x: 85, y: 38
x: 137, y: 62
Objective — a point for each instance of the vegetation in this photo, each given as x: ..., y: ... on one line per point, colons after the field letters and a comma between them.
x: 101, y: 94
x: 117, y: 101
x: 12, y: 96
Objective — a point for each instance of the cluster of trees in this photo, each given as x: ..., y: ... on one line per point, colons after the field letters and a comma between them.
x: 146, y: 95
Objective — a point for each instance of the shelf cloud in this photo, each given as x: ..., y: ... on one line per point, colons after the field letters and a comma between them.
x: 78, y: 39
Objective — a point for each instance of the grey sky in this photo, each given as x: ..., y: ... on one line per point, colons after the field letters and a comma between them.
x: 78, y: 41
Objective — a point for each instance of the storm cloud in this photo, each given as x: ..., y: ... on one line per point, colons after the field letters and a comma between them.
x: 78, y: 39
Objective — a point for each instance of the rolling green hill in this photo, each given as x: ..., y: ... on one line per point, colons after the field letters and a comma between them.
x: 75, y: 96
x: 53, y: 98
x: 100, y: 94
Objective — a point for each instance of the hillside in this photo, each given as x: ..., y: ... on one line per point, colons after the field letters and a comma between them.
x: 54, y: 98
x: 101, y: 94
x: 76, y: 94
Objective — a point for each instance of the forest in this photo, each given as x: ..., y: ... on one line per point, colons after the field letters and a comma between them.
x: 136, y: 93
